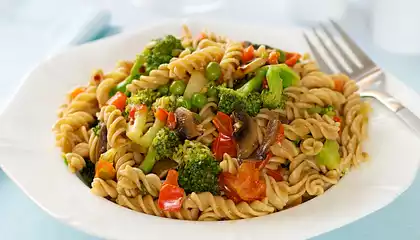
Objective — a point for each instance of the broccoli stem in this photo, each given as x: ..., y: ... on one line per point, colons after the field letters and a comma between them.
x: 134, y: 74
x: 146, y: 140
x: 149, y: 161
x: 255, y: 83
x: 275, y: 82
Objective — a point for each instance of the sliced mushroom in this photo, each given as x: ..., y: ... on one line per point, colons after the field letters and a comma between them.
x: 162, y: 167
x: 272, y: 130
x: 245, y: 133
x: 186, y: 124
x: 103, y: 139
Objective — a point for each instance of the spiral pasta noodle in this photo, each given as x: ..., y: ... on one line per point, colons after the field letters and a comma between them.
x: 231, y: 60
x: 195, y: 61
x: 115, y: 124
x: 84, y: 102
x: 277, y: 192
x: 156, y: 78
x: 300, y: 128
x: 104, y: 188
x: 222, y: 208
x: 75, y: 162
x: 206, y: 126
x: 311, y: 147
x: 229, y: 164
x: 131, y: 177
x: 147, y: 205
x: 103, y: 90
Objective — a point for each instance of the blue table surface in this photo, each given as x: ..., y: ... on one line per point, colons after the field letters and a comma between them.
x: 20, y: 218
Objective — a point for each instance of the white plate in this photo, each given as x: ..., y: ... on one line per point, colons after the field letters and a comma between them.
x: 28, y: 155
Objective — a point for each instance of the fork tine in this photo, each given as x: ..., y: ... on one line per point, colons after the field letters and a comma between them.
x: 363, y: 58
x: 321, y: 63
x: 330, y: 54
x: 345, y: 56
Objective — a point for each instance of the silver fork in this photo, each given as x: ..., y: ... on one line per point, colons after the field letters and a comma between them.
x: 369, y: 76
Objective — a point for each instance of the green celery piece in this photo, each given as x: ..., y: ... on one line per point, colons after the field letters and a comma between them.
x: 329, y: 155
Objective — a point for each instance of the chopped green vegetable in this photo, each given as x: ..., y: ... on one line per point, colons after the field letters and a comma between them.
x: 290, y: 78
x: 96, y: 129
x: 135, y: 130
x: 145, y: 96
x: 329, y: 110
x: 212, y: 92
x: 166, y: 102
x: 329, y: 155
x: 213, y: 71
x: 166, y: 142
x: 163, y: 146
x: 272, y: 96
x: 162, y: 52
x: 163, y: 90
x: 134, y: 74
x: 246, y: 96
x: 198, y: 100
x: 65, y: 159
x: 177, y: 87
x: 282, y: 56
x: 183, y: 102
x: 198, y: 169
x: 146, y: 140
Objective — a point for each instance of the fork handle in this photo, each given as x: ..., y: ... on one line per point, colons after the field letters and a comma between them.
x: 395, y: 106
x: 409, y: 118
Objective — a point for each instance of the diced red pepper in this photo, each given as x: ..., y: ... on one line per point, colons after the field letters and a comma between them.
x: 223, y: 144
x: 292, y: 58
x: 135, y: 109
x: 161, y: 114
x: 248, y: 54
x: 280, y: 134
x: 223, y: 123
x: 261, y: 164
x: 246, y: 184
x: 338, y: 84
x: 104, y: 170
x: 171, y: 195
x: 276, y: 174
x: 273, y: 58
x: 337, y: 119
x: 118, y: 100
x: 171, y: 123
x: 77, y: 91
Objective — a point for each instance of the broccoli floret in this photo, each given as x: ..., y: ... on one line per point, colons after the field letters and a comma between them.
x: 278, y: 77
x: 198, y: 169
x: 162, y: 52
x: 145, y: 96
x: 246, y: 95
x: 166, y: 102
x: 163, y: 146
x: 165, y: 143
